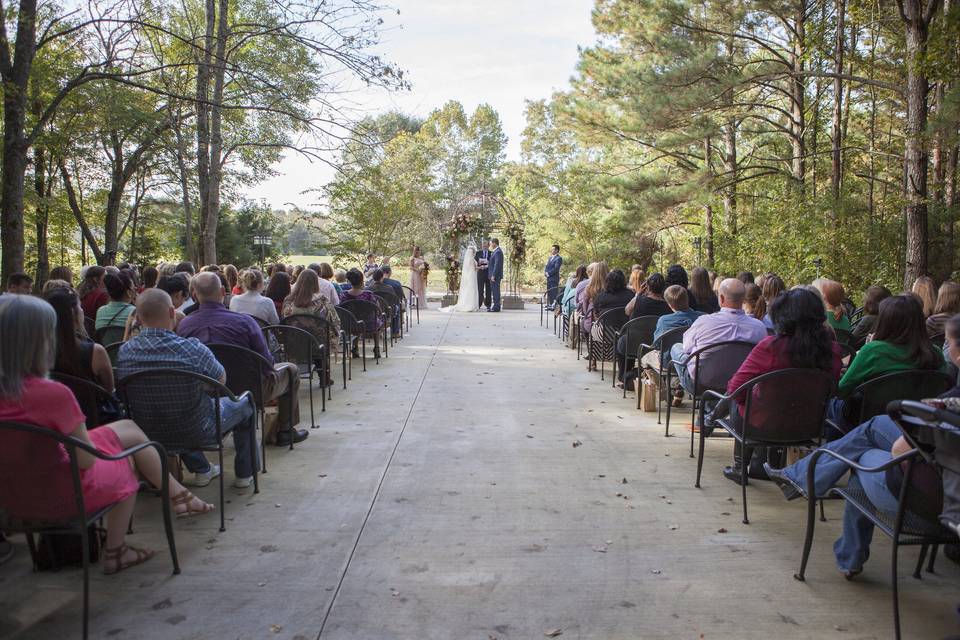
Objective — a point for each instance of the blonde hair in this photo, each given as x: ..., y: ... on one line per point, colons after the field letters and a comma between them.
x: 948, y: 298
x: 598, y: 280
x: 251, y: 279
x: 833, y: 294
x: 924, y: 289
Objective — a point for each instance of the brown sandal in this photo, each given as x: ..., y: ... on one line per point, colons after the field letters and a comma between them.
x: 116, y: 555
x: 186, y: 498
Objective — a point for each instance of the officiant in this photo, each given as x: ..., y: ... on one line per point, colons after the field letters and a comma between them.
x: 483, y: 277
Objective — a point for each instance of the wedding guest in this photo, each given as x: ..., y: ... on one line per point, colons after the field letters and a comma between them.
x: 388, y: 280
x: 833, y: 295
x: 578, y: 305
x: 681, y: 316
x: 80, y: 358
x: 651, y: 302
x: 585, y: 302
x: 357, y: 292
x: 62, y: 273
x: 27, y: 339
x: 122, y: 294
x: 370, y: 266
x: 19, y: 283
x: 772, y: 287
x: 92, y: 293
x: 746, y: 277
x: 637, y: 279
x: 278, y: 289
x: 50, y: 285
x: 150, y: 277
x: 948, y: 305
x: 418, y: 280
x: 340, y: 280
x: 251, y: 301
x: 233, y: 280
x: 754, y: 303
x: 327, y: 288
x: 702, y: 291
x: 552, y: 274
x: 186, y: 267
x: 676, y: 274
x: 924, y: 289
x: 871, y: 308
x: 306, y: 298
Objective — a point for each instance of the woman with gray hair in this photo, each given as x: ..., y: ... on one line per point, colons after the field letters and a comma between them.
x: 27, y: 349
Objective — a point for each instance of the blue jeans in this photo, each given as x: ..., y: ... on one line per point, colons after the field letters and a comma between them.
x: 676, y: 354
x: 238, y: 418
x: 835, y: 415
x: 868, y: 444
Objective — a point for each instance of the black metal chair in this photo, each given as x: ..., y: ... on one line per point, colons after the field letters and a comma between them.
x: 113, y: 351
x: 413, y: 302
x: 662, y: 344
x: 783, y: 408
x: 244, y: 369
x: 49, y: 446
x: 714, y: 365
x: 370, y: 316
x: 89, y: 396
x: 351, y: 331
x: 844, y: 337
x: 875, y: 394
x: 857, y: 315
x: 635, y: 332
x: 544, y: 304
x: 904, y: 527
x: 90, y: 326
x: 607, y: 325
x: 393, y: 310
x: 110, y: 335
x: 938, y: 339
x: 302, y: 349
x: 326, y: 335
x: 147, y: 396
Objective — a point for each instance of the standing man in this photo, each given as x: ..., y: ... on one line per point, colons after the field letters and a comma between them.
x: 483, y: 277
x: 495, y: 271
x: 552, y: 274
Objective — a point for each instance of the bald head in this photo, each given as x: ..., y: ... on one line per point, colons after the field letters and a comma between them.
x: 732, y: 292
x: 207, y: 287
x: 155, y: 309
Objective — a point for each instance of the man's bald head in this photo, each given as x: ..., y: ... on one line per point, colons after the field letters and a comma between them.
x: 155, y: 309
x: 732, y: 292
x: 207, y: 287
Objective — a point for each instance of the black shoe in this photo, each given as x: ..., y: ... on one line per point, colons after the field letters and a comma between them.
x: 790, y: 491
x: 733, y: 474
x: 6, y: 550
x: 299, y: 435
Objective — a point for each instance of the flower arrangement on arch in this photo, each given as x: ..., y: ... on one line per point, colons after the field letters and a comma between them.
x: 453, y: 273
x: 464, y: 224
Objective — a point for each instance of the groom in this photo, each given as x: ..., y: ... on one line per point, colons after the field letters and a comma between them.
x: 495, y: 271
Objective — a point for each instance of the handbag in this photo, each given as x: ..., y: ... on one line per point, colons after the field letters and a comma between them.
x: 648, y: 391
x: 58, y: 550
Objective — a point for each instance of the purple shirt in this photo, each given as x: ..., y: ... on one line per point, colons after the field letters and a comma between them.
x: 725, y: 325
x: 213, y: 323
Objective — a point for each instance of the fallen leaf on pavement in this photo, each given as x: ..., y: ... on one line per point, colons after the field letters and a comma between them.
x: 553, y: 633
x: 721, y: 530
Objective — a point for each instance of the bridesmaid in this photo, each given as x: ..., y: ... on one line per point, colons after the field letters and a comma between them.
x: 418, y: 277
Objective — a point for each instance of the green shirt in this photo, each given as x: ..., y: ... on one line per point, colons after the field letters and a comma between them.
x: 114, y: 314
x: 843, y: 324
x: 875, y: 359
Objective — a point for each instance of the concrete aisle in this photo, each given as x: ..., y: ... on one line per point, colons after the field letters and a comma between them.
x: 442, y: 497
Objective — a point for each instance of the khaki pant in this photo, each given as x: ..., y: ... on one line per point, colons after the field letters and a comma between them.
x: 284, y: 385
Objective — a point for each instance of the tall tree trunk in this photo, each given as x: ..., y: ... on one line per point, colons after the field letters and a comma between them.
x: 951, y: 204
x: 114, y: 199
x: 917, y: 16
x: 203, y: 112
x: 798, y: 88
x: 78, y: 215
x: 181, y: 152
x: 836, y: 171
x: 216, y: 138
x: 42, y: 217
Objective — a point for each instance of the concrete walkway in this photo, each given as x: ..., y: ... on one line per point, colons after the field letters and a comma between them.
x: 443, y: 497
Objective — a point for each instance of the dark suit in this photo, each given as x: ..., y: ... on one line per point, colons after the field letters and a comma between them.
x: 483, y: 278
x: 495, y: 273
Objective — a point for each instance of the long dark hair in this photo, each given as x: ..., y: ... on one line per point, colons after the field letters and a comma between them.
x: 616, y: 281
x: 798, y: 316
x: 901, y: 322
x: 700, y: 285
x: 676, y: 274
x: 64, y: 302
x: 279, y: 287
x: 580, y: 275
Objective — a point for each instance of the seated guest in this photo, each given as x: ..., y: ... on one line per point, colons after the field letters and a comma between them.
x: 150, y: 277
x: 574, y: 315
x: 871, y: 308
x: 676, y: 274
x: 27, y: 343
x: 176, y: 287
x: 772, y: 287
x: 122, y: 294
x: 614, y: 295
x: 754, y: 303
x: 746, y: 277
x: 278, y: 289
x: 650, y: 302
x: 900, y: 343
x: 948, y: 305
x: 871, y: 444
x: 186, y: 267
x: 50, y: 285
x: 62, y: 273
x: 637, y: 278
x: 357, y: 292
x: 389, y: 280
x: 233, y: 280
x: 924, y: 289
x: 730, y: 323
x: 682, y: 316
x: 251, y: 302
x: 592, y: 289
x: 77, y: 357
x: 214, y: 323
x: 801, y: 340
x: 19, y: 283
x: 378, y: 285
x: 833, y: 297
x: 92, y: 293
x: 158, y: 347
x: 327, y: 288
x: 306, y: 298
x: 702, y: 291
x: 568, y: 301
x: 340, y: 277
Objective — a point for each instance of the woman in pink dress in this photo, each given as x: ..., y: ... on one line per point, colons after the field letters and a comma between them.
x: 418, y: 277
x: 40, y: 469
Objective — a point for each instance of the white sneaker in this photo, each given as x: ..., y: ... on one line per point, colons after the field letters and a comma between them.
x: 243, y: 483
x: 203, y: 479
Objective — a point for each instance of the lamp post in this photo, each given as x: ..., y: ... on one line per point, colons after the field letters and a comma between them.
x: 261, y: 241
x: 698, y: 245
x: 818, y: 263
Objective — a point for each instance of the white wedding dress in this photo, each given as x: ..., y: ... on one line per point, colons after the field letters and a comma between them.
x: 468, y: 299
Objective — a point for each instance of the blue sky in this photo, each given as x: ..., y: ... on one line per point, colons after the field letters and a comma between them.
x: 501, y: 52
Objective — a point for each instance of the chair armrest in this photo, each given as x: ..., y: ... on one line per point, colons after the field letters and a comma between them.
x: 722, y: 407
x: 816, y: 455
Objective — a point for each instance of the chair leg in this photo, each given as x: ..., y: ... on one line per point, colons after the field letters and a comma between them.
x: 933, y: 558
x: 700, y: 460
x: 894, y: 588
x: 313, y: 422
x: 261, y: 416
x: 920, y: 558
x: 808, y: 539
x: 823, y: 517
x: 693, y: 421
x: 745, y: 455
x: 85, y: 544
x: 223, y: 498
x: 253, y: 447
x: 167, y: 516
x: 666, y: 433
x: 364, y: 348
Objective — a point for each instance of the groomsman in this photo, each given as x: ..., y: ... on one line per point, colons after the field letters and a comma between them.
x: 552, y: 274
x: 483, y: 276
x: 495, y: 271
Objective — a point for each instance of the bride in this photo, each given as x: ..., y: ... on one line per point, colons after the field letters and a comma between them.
x: 468, y: 299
